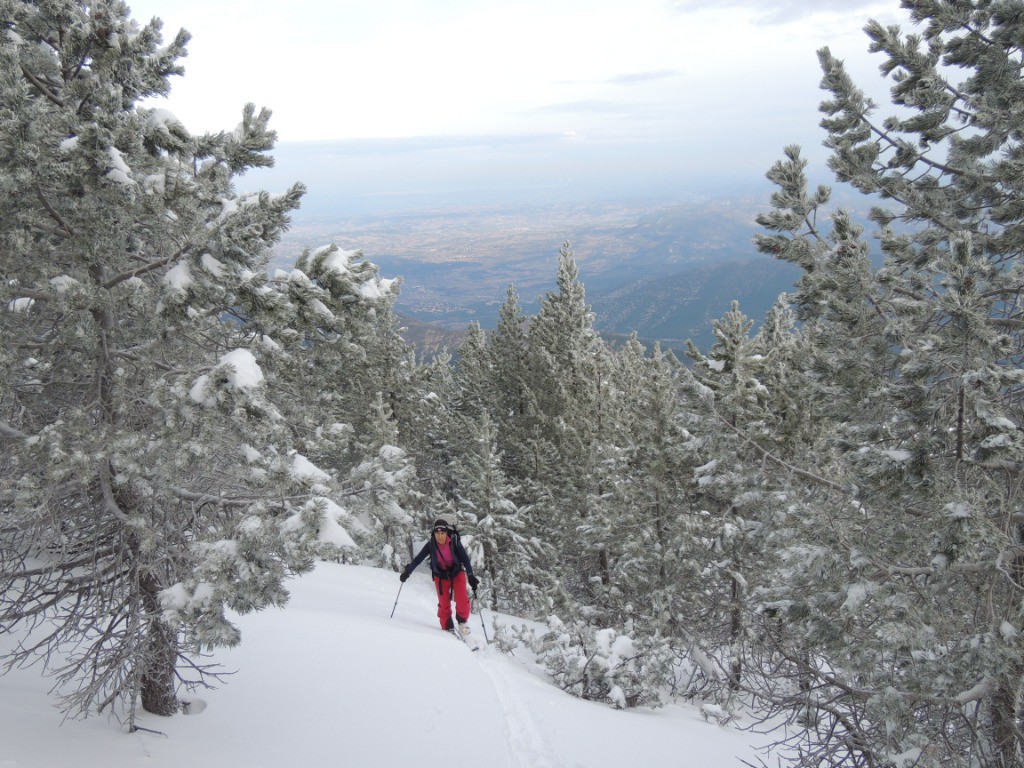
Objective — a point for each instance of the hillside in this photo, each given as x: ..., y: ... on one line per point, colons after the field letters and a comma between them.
x: 681, y: 306
x: 332, y: 680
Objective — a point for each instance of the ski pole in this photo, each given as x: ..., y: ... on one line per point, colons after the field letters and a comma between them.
x: 396, y: 600
x: 482, y: 625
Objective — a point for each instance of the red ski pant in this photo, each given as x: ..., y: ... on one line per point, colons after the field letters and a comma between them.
x: 446, y: 589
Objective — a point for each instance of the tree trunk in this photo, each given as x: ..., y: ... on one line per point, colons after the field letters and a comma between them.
x: 161, y: 655
x: 735, y: 630
x: 1003, y: 737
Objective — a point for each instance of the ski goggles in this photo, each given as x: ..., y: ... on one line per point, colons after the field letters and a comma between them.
x: 441, y: 529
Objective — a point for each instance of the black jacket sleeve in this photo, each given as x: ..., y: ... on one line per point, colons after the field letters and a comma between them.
x: 419, y: 558
x: 463, y: 557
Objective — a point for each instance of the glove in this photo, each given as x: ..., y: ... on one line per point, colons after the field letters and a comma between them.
x: 404, y: 575
x: 474, y: 582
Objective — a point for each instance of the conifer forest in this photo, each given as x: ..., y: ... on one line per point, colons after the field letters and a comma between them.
x: 821, y: 522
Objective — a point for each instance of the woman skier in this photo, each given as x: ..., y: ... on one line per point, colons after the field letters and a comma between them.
x: 451, y: 569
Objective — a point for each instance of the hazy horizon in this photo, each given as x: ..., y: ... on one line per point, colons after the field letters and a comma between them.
x: 389, y: 176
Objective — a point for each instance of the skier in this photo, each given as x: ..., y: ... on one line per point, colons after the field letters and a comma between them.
x: 451, y: 569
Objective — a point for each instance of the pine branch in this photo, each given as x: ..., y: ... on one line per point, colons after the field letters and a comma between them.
x: 63, y: 225
x: 145, y: 269
x: 770, y: 457
x: 41, y: 86
x: 6, y: 430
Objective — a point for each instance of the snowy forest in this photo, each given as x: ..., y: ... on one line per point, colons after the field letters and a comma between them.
x: 819, y: 522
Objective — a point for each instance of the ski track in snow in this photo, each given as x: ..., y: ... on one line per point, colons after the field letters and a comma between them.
x: 525, y: 746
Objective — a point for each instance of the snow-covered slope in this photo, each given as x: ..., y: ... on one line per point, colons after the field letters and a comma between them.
x: 331, y: 680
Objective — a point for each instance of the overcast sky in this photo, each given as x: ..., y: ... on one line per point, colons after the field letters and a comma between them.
x: 707, y: 83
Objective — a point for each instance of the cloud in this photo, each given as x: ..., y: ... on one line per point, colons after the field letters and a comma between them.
x: 639, y: 78
x: 588, y: 106
x: 768, y: 12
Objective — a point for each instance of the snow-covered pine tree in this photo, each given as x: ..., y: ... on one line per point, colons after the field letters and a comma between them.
x: 656, y: 542
x: 601, y: 530
x: 785, y: 352
x: 830, y: 295
x: 731, y: 490
x: 473, y: 376
x: 340, y: 349
x: 385, y: 496
x: 153, y: 482
x: 514, y: 408
x: 564, y: 383
x: 426, y: 427
x: 515, y: 563
x: 902, y: 658
x: 470, y: 400
x: 344, y: 327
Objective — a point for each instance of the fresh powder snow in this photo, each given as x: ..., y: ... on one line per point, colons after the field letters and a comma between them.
x: 331, y: 680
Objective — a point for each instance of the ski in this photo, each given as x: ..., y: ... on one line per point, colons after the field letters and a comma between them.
x: 470, y: 643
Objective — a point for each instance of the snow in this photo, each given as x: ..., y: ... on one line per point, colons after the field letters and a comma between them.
x: 391, y: 453
x: 320, y: 309
x: 250, y: 453
x: 241, y: 372
x: 245, y: 372
x: 332, y: 680
x: 958, y: 509
x: 373, y: 290
x: 898, y: 455
x: 63, y: 283
x: 305, y: 470
x: 20, y: 305
x: 119, y: 171
x: 331, y: 530
x: 1008, y: 631
x: 179, y: 277
x: 212, y: 265
x: 337, y: 261
x: 154, y: 184
x: 161, y: 120
x: 856, y: 594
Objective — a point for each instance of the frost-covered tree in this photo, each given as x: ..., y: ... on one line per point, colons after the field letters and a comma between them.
x: 385, y: 494
x: 470, y: 401
x: 335, y: 368
x: 731, y: 488
x: 899, y: 607
x: 473, y: 375
x: 513, y: 561
x: 153, y: 478
x: 659, y: 541
x: 563, y: 367
x: 344, y: 328
x: 514, y: 406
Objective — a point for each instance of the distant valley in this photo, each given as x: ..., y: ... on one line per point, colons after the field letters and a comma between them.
x: 664, y: 270
x: 662, y: 247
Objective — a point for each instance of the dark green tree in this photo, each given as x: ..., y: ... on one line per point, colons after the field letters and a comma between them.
x: 899, y: 608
